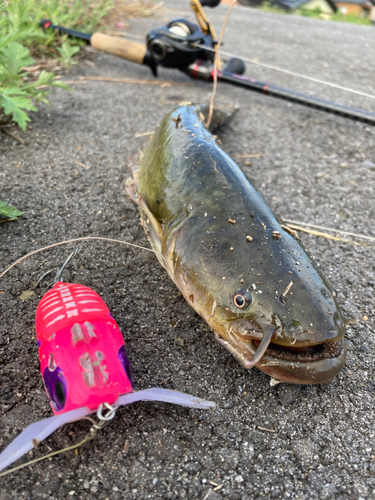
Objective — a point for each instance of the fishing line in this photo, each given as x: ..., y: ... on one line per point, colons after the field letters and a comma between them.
x: 292, y: 73
x: 89, y: 437
x: 86, y: 238
x: 216, y: 61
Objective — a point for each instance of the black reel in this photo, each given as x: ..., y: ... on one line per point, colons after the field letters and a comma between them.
x: 175, y: 45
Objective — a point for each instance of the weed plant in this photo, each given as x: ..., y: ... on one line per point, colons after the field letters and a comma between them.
x: 21, y: 39
x: 7, y: 211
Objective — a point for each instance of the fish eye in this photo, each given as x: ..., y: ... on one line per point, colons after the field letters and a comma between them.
x: 242, y: 299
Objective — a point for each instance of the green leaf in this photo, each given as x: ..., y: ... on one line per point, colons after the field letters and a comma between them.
x: 67, y: 51
x: 14, y: 105
x: 60, y: 84
x: 15, y: 56
x: 21, y: 118
x: 44, y: 78
x: 11, y: 103
x: 8, y: 211
x: 12, y: 91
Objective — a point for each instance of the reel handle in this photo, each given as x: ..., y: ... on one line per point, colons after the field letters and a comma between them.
x: 235, y: 65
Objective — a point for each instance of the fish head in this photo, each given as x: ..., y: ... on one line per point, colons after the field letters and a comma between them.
x: 269, y: 286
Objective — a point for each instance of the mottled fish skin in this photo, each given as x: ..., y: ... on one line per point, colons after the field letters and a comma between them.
x: 218, y: 236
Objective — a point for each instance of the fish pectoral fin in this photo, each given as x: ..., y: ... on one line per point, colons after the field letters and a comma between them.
x: 133, y: 166
x: 151, y: 225
x: 131, y: 185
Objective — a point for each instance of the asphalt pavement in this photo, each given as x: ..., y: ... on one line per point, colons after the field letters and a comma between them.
x: 311, y: 442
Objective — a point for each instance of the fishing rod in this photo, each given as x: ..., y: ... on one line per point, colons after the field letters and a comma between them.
x: 203, y: 71
x: 190, y: 48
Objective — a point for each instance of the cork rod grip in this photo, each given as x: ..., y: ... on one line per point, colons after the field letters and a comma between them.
x: 133, y: 51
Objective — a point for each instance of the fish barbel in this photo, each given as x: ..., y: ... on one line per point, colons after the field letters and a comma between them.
x: 248, y: 277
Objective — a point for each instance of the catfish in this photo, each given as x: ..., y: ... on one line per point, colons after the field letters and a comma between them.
x: 247, y: 275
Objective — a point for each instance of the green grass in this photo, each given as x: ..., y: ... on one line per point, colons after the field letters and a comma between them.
x: 350, y: 18
x: 317, y: 14
x: 21, y: 40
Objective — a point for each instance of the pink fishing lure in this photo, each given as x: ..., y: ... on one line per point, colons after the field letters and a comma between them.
x: 81, y: 349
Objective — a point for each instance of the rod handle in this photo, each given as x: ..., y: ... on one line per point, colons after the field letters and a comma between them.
x: 121, y: 47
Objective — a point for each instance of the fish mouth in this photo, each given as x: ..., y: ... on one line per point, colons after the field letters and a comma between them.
x: 315, y: 364
x: 312, y: 364
x: 308, y: 354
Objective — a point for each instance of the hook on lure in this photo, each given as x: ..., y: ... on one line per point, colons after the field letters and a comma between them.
x: 59, y: 271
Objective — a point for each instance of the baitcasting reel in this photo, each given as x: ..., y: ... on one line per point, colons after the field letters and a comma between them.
x: 179, y: 44
x: 184, y: 45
